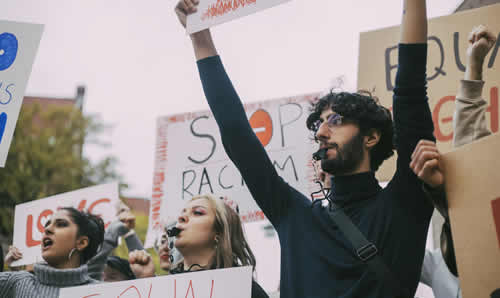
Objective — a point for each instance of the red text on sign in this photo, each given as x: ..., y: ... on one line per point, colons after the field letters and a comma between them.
x: 440, y: 120
x: 30, y: 242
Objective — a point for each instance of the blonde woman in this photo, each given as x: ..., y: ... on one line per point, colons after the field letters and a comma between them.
x: 210, y: 237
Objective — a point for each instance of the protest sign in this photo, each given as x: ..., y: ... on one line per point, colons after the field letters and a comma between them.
x: 18, y: 46
x: 220, y: 283
x: 473, y: 195
x: 30, y: 218
x: 214, y: 12
x: 447, y: 44
x: 190, y: 159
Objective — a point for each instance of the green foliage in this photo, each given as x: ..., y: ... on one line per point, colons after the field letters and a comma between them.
x: 141, y: 228
x: 45, y: 158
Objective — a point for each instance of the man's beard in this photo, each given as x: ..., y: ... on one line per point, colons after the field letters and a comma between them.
x: 347, y: 159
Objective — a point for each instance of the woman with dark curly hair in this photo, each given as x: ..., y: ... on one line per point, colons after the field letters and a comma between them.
x: 71, y: 238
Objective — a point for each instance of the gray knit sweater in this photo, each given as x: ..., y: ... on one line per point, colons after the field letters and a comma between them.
x: 45, y: 282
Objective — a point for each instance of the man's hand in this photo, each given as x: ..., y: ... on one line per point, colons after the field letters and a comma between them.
x: 203, y: 44
x: 14, y: 254
x: 481, y: 40
x: 141, y: 264
x: 185, y: 7
x: 425, y: 163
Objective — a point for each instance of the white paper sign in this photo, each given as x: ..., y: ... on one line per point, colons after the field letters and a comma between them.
x: 18, y: 46
x: 190, y: 159
x: 30, y: 218
x: 221, y: 283
x: 215, y: 12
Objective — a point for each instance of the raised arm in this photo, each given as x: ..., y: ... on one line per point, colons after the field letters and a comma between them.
x: 412, y: 116
x: 97, y: 263
x: 203, y: 44
x: 239, y: 141
x: 469, y: 119
x: 414, y: 22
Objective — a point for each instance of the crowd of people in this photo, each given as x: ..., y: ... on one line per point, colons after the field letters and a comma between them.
x: 362, y: 240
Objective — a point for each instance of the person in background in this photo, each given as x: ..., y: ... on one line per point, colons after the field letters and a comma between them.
x: 439, y: 270
x: 164, y: 253
x: 123, y: 226
x: 211, y: 237
x: 117, y: 269
x: 70, y: 240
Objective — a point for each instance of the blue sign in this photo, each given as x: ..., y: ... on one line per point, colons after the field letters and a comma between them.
x: 8, y: 50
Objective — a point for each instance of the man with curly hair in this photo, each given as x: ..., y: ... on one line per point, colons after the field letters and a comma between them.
x: 355, y: 136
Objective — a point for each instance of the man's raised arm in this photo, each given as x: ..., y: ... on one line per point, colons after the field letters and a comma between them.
x: 239, y: 141
x: 203, y: 44
x: 414, y: 22
x: 412, y: 116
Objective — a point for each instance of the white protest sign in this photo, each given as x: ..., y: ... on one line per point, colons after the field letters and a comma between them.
x: 215, y: 12
x: 220, y: 283
x: 190, y: 159
x: 30, y: 218
x: 18, y: 46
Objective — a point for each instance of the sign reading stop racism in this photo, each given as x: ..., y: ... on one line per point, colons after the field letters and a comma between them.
x: 190, y: 159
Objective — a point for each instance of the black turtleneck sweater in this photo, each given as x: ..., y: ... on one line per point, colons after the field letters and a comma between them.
x: 316, y: 259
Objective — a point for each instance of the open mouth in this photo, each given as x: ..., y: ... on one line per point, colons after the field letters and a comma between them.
x: 47, y: 243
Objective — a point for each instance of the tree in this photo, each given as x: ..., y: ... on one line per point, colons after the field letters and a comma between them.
x: 45, y: 158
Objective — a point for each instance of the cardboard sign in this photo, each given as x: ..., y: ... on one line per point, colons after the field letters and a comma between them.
x: 447, y: 44
x: 190, y: 159
x: 473, y: 190
x: 30, y: 218
x: 221, y: 283
x: 214, y: 12
x: 18, y: 46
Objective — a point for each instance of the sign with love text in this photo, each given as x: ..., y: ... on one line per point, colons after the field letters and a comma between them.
x: 30, y: 218
x: 190, y: 159
x: 214, y: 12
x: 18, y: 46
x: 220, y: 283
x: 447, y: 44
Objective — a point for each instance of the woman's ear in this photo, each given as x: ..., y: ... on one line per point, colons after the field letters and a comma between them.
x: 372, y: 138
x: 82, y: 242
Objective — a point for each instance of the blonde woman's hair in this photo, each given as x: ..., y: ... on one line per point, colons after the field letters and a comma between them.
x: 232, y: 248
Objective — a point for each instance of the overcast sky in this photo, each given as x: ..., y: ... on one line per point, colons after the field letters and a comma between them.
x: 137, y: 63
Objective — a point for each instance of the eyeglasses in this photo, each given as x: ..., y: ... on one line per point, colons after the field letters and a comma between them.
x: 332, y: 121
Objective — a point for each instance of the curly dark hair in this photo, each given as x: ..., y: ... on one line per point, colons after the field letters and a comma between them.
x: 364, y: 110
